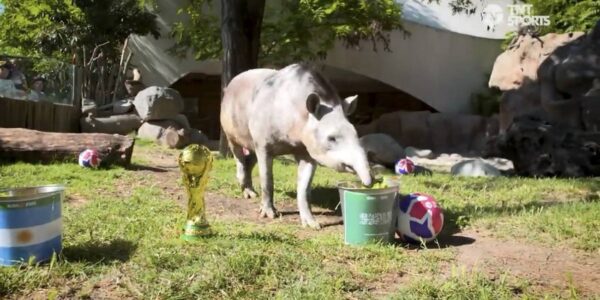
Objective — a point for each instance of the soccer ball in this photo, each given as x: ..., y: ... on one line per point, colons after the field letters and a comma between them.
x: 419, y: 218
x: 89, y: 158
x: 404, y: 166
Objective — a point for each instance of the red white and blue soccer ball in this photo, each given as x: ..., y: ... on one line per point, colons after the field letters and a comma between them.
x: 89, y: 158
x: 404, y: 166
x: 419, y: 218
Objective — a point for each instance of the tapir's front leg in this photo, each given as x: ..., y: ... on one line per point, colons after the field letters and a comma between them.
x: 265, y: 168
x: 306, y: 170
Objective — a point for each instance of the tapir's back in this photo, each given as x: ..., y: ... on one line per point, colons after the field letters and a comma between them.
x: 292, y: 85
x: 282, y: 98
x: 237, y: 99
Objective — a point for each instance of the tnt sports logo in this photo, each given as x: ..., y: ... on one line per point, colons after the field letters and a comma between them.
x: 519, y: 15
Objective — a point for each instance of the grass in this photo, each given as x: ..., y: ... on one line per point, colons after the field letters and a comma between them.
x: 462, y: 284
x: 549, y: 211
x: 120, y: 245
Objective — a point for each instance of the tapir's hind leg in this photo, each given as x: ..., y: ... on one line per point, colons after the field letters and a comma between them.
x: 244, y: 162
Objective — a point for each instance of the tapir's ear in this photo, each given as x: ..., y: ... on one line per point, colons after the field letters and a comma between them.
x: 350, y: 104
x: 312, y: 103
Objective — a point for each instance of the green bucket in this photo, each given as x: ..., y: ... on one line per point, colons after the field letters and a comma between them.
x: 368, y: 214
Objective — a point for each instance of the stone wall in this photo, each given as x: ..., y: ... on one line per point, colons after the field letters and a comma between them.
x: 440, y: 132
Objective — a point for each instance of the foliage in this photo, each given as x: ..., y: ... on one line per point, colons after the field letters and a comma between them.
x: 292, y: 29
x: 486, y: 102
x: 565, y: 15
x: 61, y: 28
x: 568, y: 15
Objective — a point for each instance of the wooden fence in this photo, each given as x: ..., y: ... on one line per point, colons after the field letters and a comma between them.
x: 43, y: 116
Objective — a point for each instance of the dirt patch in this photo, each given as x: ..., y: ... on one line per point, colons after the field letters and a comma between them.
x: 75, y: 200
x: 163, y: 172
x: 226, y: 208
x: 544, y: 267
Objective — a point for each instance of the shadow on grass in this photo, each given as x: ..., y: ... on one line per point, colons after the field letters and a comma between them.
x: 455, y: 219
x: 95, y: 252
x: 137, y: 167
x: 323, y: 197
x: 269, y: 237
x: 442, y: 242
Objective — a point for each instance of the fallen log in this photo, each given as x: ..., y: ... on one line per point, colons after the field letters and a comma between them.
x: 44, y: 147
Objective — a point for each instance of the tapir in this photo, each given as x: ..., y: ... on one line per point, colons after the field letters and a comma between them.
x: 295, y: 110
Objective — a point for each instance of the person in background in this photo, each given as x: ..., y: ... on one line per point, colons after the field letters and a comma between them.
x: 7, y: 86
x: 17, y: 76
x: 37, y: 89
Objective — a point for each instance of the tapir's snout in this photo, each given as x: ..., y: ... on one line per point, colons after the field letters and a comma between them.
x: 362, y: 170
x: 364, y: 173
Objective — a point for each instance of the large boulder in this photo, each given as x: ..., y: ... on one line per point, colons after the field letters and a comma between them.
x: 158, y: 103
x: 539, y: 147
x: 516, y: 73
x: 550, y: 118
x: 382, y: 149
x: 518, y: 65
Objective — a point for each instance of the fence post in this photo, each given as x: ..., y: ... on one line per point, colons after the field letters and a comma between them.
x: 76, y: 82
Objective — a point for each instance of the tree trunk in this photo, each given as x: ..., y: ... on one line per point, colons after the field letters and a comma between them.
x: 241, y: 22
x: 39, y: 146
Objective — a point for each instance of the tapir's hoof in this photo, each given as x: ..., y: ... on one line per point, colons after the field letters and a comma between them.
x: 268, y: 212
x: 249, y: 193
x: 311, y: 222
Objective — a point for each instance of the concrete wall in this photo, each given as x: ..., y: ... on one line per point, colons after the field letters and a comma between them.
x: 435, y: 64
x: 440, y: 67
x: 150, y: 55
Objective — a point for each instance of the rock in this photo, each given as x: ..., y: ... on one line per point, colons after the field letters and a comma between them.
x: 182, y: 120
x: 554, y: 72
x: 474, y: 168
x: 171, y: 134
x: 154, y: 129
x: 519, y: 64
x: 382, y: 149
x: 120, y: 124
x: 549, y: 119
x: 566, y: 77
x: 421, y: 153
x: 441, y: 132
x: 158, y: 103
x: 150, y: 131
x: 173, y: 138
x: 516, y: 72
x: 122, y: 107
x: 515, y: 103
x: 197, y: 137
x: 538, y: 147
x: 590, y: 110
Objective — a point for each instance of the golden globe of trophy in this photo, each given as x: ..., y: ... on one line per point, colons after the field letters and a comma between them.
x: 195, y: 162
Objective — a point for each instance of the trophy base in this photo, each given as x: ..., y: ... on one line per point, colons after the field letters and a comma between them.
x: 195, y: 232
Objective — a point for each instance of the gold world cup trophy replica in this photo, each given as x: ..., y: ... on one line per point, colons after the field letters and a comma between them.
x: 195, y: 162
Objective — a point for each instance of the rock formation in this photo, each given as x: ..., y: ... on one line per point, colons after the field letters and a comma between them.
x: 550, y: 109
